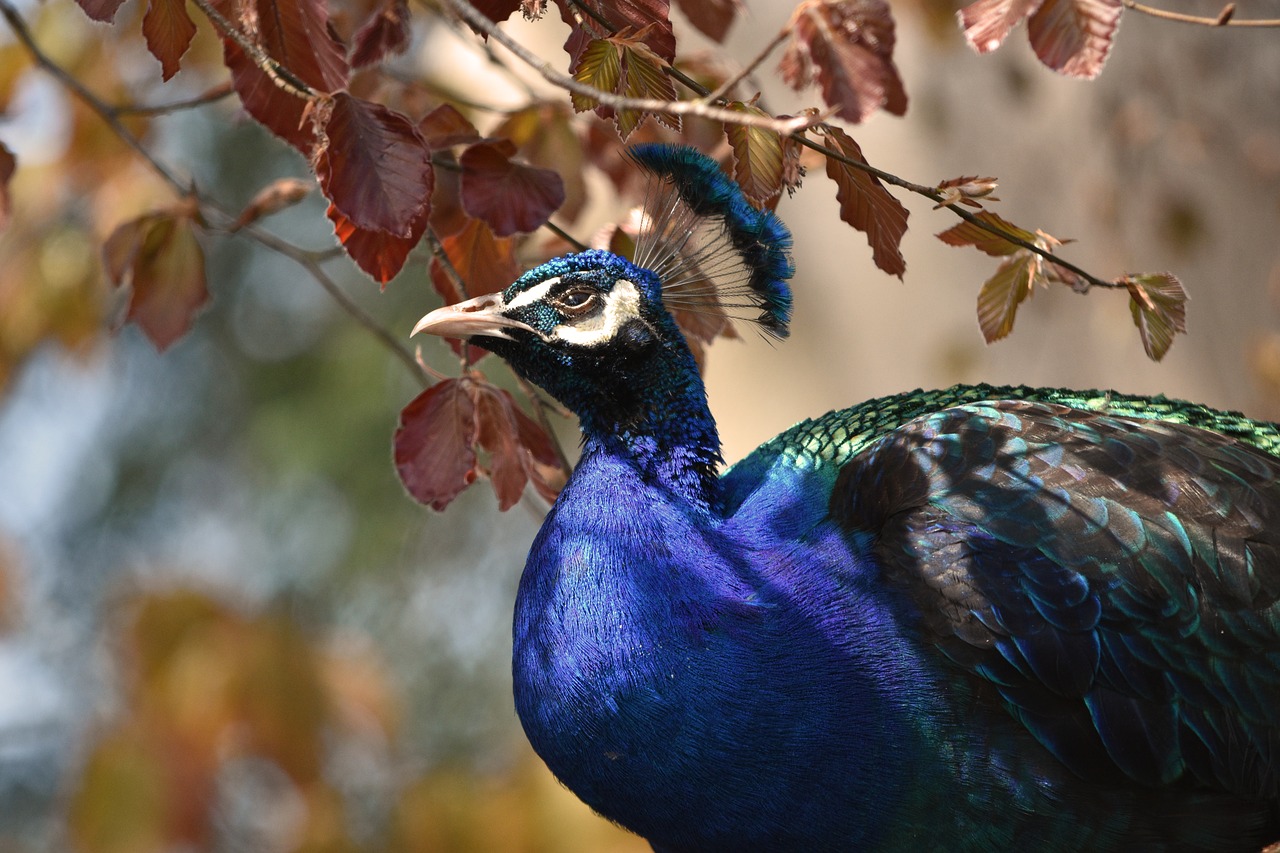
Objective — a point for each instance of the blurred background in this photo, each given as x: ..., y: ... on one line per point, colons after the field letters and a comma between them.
x: 223, y: 620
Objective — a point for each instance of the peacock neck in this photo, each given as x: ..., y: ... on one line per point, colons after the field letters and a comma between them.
x: 659, y: 422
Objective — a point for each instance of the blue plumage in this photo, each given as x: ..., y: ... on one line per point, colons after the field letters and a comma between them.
x: 974, y: 619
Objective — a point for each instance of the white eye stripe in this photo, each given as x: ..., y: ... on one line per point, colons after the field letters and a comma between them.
x: 621, y: 304
x: 534, y: 294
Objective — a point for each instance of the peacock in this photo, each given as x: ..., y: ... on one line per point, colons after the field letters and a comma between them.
x: 980, y: 618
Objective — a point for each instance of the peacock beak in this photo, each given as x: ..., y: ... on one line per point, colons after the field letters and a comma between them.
x: 477, y: 317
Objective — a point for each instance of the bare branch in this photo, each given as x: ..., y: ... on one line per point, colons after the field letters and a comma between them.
x: 1225, y: 18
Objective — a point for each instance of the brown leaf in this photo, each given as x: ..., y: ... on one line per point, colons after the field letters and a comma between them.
x: 509, y: 196
x: 378, y: 253
x: 435, y: 444
x: 1002, y: 293
x: 966, y: 190
x: 445, y: 127
x: 101, y: 10
x: 385, y: 33
x: 969, y: 234
x: 278, y: 111
x: 157, y: 257
x: 757, y: 156
x: 8, y: 165
x: 1073, y: 37
x: 487, y: 264
x: 847, y: 46
x: 1158, y: 303
x: 545, y: 134
x: 274, y: 197
x: 867, y: 205
x: 168, y: 31
x: 712, y: 18
x: 987, y: 23
x: 376, y: 168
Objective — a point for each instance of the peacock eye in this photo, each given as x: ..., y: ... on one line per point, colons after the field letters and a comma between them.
x: 577, y: 301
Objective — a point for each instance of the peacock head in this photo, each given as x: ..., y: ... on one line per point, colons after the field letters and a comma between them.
x: 593, y: 327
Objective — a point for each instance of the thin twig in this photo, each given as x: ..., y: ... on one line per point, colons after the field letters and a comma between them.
x: 1225, y: 18
x: 651, y: 105
x: 727, y: 86
x: 309, y: 261
x: 540, y: 408
x: 215, y: 94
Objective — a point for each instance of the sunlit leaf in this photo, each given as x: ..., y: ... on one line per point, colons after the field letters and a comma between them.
x: 168, y: 31
x: 987, y: 23
x: 867, y: 205
x: 158, y: 259
x: 1001, y: 294
x: 435, y: 443
x: 1074, y: 37
x: 1158, y: 303
x: 601, y: 68
x: 384, y: 34
x: 510, y: 197
x: 485, y: 263
x: 712, y: 18
x: 757, y: 156
x: 847, y: 46
x: 378, y: 253
x: 969, y: 234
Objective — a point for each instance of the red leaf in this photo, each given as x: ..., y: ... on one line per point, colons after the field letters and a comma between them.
x: 486, y: 264
x: 297, y: 35
x: 650, y: 19
x: 101, y: 10
x: 447, y: 215
x: 711, y: 17
x: 987, y: 23
x: 867, y: 205
x: 378, y: 253
x: 376, y: 168
x: 509, y: 196
x: 847, y: 45
x: 168, y: 31
x: 445, y: 127
x: 275, y: 109
x: 157, y: 257
x: 386, y: 32
x: 8, y: 165
x: 1073, y: 37
x: 435, y: 444
x: 508, y: 467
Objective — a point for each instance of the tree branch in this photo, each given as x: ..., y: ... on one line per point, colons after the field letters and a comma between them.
x: 1225, y: 18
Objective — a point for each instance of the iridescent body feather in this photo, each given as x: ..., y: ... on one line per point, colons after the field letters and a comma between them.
x: 973, y: 619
